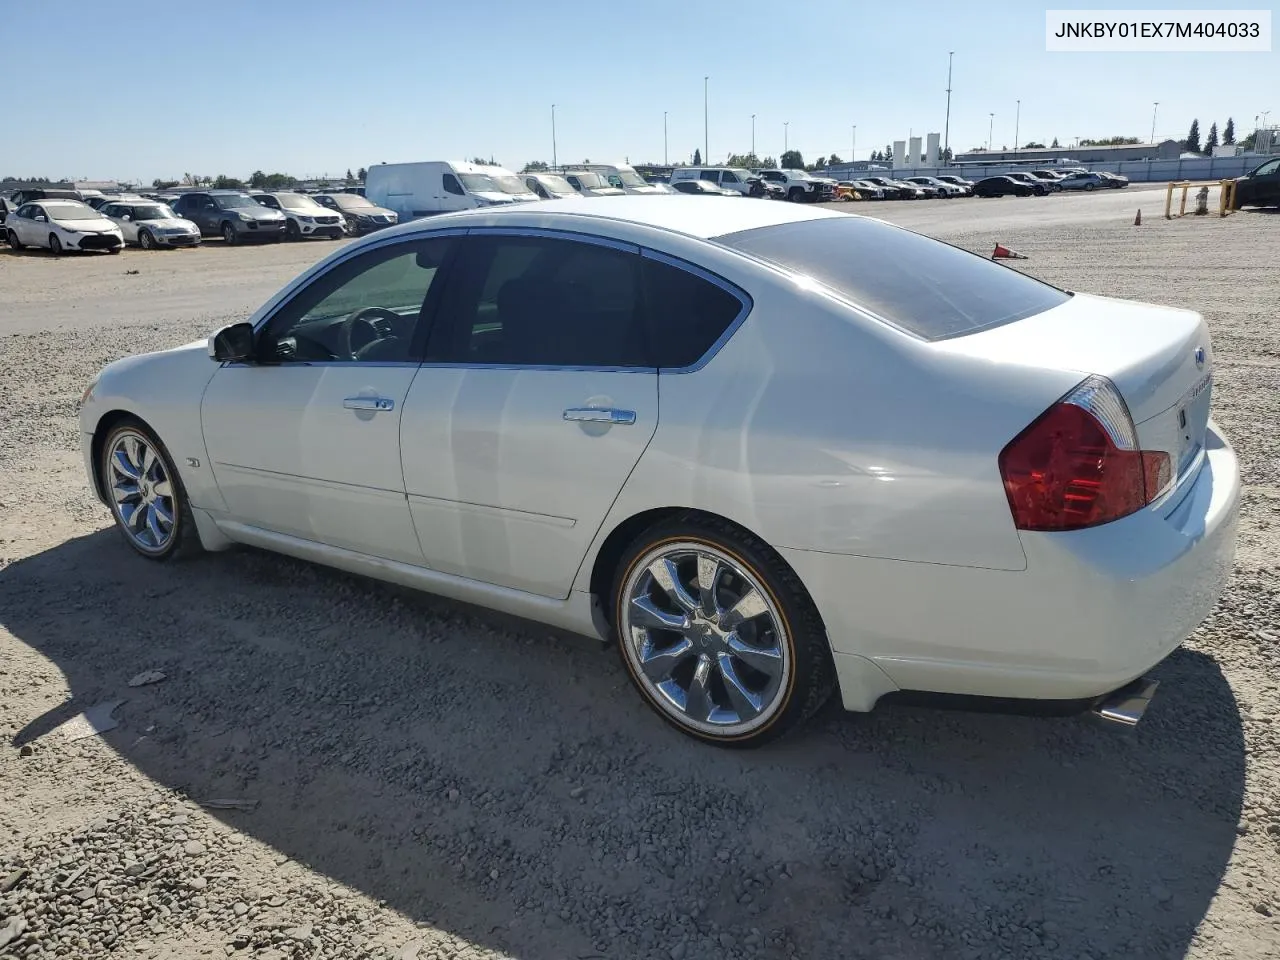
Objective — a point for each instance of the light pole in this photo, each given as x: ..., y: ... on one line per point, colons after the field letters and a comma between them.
x: 946, y: 130
x: 664, y: 138
x: 990, y: 127
x: 1017, y: 119
x: 553, y: 136
x: 786, y: 147
x: 1154, y: 107
x: 753, y: 135
x: 706, y: 135
x: 853, y: 146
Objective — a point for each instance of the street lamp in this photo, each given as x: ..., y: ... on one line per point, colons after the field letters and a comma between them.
x: 946, y: 134
x: 785, y: 146
x: 706, y: 136
x: 753, y: 135
x: 990, y: 127
x: 853, y: 146
x: 1154, y: 108
x: 553, y: 136
x: 664, y: 138
x: 1017, y: 119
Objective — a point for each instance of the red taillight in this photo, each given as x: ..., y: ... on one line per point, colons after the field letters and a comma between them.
x: 1066, y: 471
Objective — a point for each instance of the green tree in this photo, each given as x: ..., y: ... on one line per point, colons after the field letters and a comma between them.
x: 163, y: 184
x: 791, y: 160
x: 361, y: 173
x: 1229, y: 134
x: 888, y: 152
x: 1055, y: 145
x: 748, y: 160
x: 947, y: 155
x: 1248, y: 142
x: 480, y: 161
x: 1211, y: 140
x: 223, y: 182
x: 817, y: 164
x: 697, y: 157
x: 351, y: 177
x: 833, y: 160
x: 1192, y: 143
x: 279, y: 181
x: 258, y: 180
x: 1033, y: 145
x: 536, y: 166
x: 768, y: 163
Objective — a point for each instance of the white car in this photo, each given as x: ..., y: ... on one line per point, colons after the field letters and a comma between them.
x: 769, y: 451
x: 305, y: 217
x: 150, y: 224
x: 62, y: 225
x: 588, y: 183
x: 549, y: 186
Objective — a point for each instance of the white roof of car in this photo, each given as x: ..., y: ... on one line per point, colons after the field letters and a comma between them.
x: 690, y: 215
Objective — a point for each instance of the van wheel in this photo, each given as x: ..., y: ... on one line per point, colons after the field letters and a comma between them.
x: 718, y: 634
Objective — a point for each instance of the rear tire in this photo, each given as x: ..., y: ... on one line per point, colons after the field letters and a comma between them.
x: 145, y: 493
x: 718, y: 634
x: 14, y: 242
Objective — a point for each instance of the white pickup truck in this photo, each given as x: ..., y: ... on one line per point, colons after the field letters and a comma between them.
x: 800, y: 186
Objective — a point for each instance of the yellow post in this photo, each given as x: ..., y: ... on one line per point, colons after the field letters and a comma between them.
x: 1226, y: 197
x: 1182, y: 210
x: 1168, y: 201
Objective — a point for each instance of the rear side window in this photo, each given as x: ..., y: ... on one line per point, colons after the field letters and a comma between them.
x: 687, y: 313
x: 925, y: 287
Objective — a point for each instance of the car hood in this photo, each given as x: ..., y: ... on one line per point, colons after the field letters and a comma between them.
x: 367, y: 212
x: 603, y: 192
x: 168, y: 223
x: 87, y: 226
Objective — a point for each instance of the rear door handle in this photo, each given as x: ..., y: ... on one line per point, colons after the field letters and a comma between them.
x: 600, y: 415
x: 369, y: 403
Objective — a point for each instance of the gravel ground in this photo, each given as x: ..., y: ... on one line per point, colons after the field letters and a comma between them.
x: 416, y: 778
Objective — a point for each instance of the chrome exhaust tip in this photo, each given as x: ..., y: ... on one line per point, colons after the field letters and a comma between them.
x: 1126, y: 705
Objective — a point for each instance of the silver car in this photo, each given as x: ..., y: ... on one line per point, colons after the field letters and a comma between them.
x: 151, y: 224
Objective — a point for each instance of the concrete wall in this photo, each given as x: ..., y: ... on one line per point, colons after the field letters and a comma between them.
x: 1139, y: 171
x: 1164, y: 150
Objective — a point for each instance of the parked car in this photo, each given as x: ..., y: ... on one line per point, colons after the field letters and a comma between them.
x: 305, y: 217
x: 1038, y: 186
x: 150, y: 224
x: 1039, y: 464
x: 799, y: 186
x: 1114, y: 180
x: 727, y: 178
x: 231, y: 214
x: 7, y: 207
x: 591, y: 184
x: 62, y: 226
x: 1260, y: 187
x: 940, y: 188
x: 623, y: 176
x: 961, y: 182
x: 549, y: 186
x: 1052, y: 177
x: 423, y: 189
x: 845, y: 190
x: 1002, y: 187
x: 703, y: 188
x: 896, y: 189
x: 1082, y: 180
x: 42, y: 193
x: 359, y: 215
x: 864, y: 189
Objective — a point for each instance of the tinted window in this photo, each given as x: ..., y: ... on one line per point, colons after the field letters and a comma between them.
x: 712, y: 175
x: 535, y: 301
x: 926, y: 287
x: 687, y: 313
x: 365, y: 309
x: 451, y: 184
x: 1267, y: 169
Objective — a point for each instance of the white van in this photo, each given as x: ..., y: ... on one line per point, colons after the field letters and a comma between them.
x: 440, y: 186
x: 621, y: 176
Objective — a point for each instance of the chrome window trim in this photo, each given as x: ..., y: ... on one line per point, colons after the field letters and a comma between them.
x: 555, y: 233
x: 538, y: 367
x: 362, y: 364
x: 743, y: 298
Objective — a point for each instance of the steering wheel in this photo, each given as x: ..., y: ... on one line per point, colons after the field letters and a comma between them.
x: 364, y: 316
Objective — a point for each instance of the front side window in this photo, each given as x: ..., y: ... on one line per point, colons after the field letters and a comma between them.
x: 539, y: 301
x: 922, y: 286
x: 451, y: 185
x: 1267, y: 169
x: 366, y: 309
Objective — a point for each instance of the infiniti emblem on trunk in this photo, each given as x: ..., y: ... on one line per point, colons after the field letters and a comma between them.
x: 1199, y: 356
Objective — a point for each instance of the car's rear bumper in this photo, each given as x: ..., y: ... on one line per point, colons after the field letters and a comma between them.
x: 1093, y: 609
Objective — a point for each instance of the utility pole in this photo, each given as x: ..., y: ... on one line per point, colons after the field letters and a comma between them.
x: 1154, y: 107
x: 706, y: 135
x: 990, y: 127
x: 946, y: 135
x: 853, y: 146
x: 1017, y: 118
x: 785, y: 146
x: 553, y: 138
x: 664, y: 138
x: 753, y: 135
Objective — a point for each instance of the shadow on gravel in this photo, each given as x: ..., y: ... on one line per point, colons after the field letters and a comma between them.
x: 505, y: 785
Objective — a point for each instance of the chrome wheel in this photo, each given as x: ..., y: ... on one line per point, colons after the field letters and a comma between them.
x: 142, y: 496
x: 704, y: 638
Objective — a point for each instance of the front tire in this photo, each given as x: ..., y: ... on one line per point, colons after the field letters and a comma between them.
x: 229, y: 234
x: 146, y: 495
x: 796, y: 195
x: 718, y: 634
x: 292, y: 232
x: 1088, y: 186
x: 55, y: 245
x: 146, y: 241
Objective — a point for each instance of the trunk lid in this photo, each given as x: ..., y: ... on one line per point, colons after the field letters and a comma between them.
x: 1160, y: 359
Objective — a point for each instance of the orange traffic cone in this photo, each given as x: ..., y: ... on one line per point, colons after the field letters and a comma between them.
x: 1001, y: 252
x: 1137, y: 221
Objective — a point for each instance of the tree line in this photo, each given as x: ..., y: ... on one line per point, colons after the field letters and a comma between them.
x: 258, y: 180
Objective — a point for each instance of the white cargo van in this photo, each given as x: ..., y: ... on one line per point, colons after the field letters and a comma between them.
x: 439, y: 186
x: 621, y: 176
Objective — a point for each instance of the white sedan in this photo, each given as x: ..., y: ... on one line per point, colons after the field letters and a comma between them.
x: 151, y: 224
x: 770, y: 451
x: 62, y: 225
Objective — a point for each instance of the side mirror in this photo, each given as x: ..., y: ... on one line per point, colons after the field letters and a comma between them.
x: 232, y: 344
x: 42, y: 219
x: 126, y: 218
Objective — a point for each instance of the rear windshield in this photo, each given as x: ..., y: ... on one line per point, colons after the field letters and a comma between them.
x: 926, y: 287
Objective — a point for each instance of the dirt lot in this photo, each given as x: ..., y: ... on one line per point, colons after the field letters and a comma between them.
x: 427, y: 780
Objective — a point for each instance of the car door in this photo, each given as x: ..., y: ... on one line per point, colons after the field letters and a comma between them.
x: 453, y: 197
x: 536, y: 401
x: 127, y: 227
x: 305, y: 441
x: 1265, y: 183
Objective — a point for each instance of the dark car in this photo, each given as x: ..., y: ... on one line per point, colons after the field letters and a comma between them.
x: 1002, y: 187
x: 1040, y: 187
x: 1114, y: 180
x: 703, y: 188
x: 359, y: 214
x: 894, y: 189
x: 40, y: 193
x: 1260, y: 187
x: 231, y: 214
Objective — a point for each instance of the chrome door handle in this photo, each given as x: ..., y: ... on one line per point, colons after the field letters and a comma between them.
x: 369, y: 403
x: 600, y: 415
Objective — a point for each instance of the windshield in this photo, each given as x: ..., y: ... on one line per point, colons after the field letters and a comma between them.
x: 799, y: 175
x: 554, y: 184
x: 235, y: 200
x: 925, y: 287
x: 296, y: 201
x: 509, y: 184
x: 351, y: 201
x: 743, y: 175
x: 152, y: 211
x: 71, y: 210
x: 479, y: 183
x: 630, y: 178
x: 591, y: 180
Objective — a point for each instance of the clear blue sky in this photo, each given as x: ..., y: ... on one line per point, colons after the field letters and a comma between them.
x: 141, y: 89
